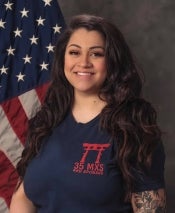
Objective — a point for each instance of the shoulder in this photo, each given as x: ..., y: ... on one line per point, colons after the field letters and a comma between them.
x: 139, y: 104
x: 140, y: 111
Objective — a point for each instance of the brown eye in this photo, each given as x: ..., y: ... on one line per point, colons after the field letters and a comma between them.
x: 97, y: 54
x: 73, y: 52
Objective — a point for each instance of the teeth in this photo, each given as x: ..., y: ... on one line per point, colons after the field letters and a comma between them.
x: 84, y: 73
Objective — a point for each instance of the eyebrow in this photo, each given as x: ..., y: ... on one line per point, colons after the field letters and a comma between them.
x: 94, y: 47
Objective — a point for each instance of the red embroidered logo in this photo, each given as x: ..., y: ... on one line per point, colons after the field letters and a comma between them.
x: 95, y: 168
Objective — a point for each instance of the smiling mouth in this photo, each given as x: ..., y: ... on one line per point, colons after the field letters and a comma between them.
x: 84, y: 73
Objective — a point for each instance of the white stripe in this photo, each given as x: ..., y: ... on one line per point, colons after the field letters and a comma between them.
x: 30, y: 103
x: 3, y: 206
x: 9, y: 143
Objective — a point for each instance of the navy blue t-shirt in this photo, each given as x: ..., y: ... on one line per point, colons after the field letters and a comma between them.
x: 76, y: 172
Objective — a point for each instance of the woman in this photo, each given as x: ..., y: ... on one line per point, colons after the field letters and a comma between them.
x: 94, y: 146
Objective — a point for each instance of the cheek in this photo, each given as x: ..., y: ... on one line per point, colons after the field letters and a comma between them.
x: 104, y: 71
x: 65, y: 61
x: 102, y: 68
x: 67, y: 64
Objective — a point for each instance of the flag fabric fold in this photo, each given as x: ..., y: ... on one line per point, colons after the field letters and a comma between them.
x: 28, y: 33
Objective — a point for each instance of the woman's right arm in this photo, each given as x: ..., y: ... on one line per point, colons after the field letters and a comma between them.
x: 20, y: 203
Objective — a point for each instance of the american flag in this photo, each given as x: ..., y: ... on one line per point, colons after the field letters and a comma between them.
x: 28, y: 32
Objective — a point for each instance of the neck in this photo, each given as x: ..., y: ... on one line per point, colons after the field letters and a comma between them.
x: 86, y: 107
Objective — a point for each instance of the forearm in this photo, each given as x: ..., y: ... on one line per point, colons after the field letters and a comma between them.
x: 149, y: 201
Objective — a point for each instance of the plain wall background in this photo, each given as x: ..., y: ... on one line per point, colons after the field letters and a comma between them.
x: 149, y: 28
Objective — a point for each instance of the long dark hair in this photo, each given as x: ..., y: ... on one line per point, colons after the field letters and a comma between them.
x: 128, y: 118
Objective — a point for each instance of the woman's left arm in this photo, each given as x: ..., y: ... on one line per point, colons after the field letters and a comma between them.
x: 149, y: 201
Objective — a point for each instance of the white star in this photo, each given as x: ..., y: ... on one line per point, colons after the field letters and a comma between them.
x: 27, y: 59
x: 47, y: 2
x: 40, y: 21
x: 50, y: 48
x: 34, y: 40
x: 2, y: 23
x: 24, y: 13
x: 10, y: 51
x: 20, y: 77
x: 17, y: 32
x: 3, y: 70
x: 8, y: 5
x: 44, y: 66
x: 57, y: 29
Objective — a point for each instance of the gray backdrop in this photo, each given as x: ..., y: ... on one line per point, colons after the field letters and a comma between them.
x: 149, y: 28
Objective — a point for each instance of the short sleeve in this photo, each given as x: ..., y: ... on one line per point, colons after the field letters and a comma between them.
x: 154, y: 178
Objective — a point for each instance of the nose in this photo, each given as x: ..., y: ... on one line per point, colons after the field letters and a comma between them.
x: 85, y: 61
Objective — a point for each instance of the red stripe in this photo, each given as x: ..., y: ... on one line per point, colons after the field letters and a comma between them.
x: 41, y: 91
x: 8, y: 177
x: 17, y: 117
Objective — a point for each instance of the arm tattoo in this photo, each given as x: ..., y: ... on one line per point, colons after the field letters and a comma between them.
x: 149, y: 201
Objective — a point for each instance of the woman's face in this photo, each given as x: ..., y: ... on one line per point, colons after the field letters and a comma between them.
x: 85, y: 62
